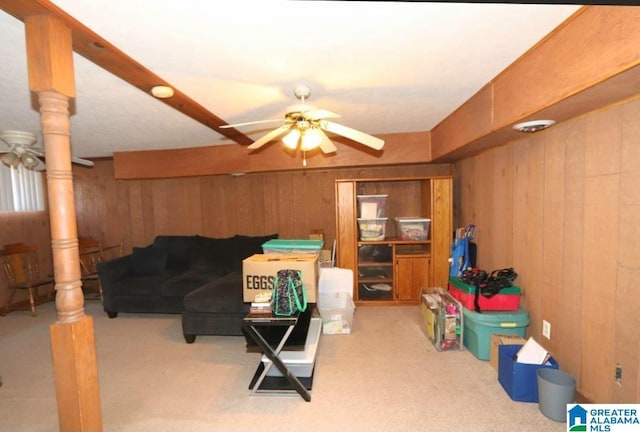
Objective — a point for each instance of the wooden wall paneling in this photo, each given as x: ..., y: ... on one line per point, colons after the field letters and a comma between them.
x: 534, y: 231
x: 599, y: 276
x: 569, y: 329
x: 553, y: 224
x: 520, y: 208
x: 627, y: 304
x: 221, y: 196
x: 502, y: 204
x: 482, y: 219
x: 602, y: 180
x: 464, y: 207
x: 136, y: 216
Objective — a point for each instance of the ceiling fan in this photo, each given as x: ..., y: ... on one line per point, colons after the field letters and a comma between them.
x: 19, y: 150
x: 305, y: 126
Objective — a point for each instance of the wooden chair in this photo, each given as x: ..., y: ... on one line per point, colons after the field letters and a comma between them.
x: 21, y: 268
x: 91, y: 253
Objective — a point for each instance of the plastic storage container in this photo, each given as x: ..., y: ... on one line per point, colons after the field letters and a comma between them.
x: 372, y: 206
x: 441, y: 319
x: 284, y: 246
x: 372, y: 229
x: 478, y: 328
x: 300, y: 363
x: 507, y: 300
x: 335, y: 300
x: 412, y: 228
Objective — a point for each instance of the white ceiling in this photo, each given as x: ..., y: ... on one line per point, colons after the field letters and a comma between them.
x: 384, y: 66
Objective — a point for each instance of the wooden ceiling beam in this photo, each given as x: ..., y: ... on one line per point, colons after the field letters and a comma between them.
x: 98, y: 50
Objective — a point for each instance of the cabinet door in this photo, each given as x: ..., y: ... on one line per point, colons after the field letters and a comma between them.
x: 411, y: 274
x: 375, y: 273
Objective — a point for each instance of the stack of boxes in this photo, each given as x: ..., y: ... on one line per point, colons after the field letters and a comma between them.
x: 499, y: 314
x: 372, y: 222
x: 259, y: 270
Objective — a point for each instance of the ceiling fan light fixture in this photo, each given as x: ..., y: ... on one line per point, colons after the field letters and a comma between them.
x: 310, y: 140
x: 11, y: 159
x: 29, y: 161
x: 162, y: 92
x: 291, y: 139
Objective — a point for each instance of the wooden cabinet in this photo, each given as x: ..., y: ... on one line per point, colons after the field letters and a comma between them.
x: 392, y: 270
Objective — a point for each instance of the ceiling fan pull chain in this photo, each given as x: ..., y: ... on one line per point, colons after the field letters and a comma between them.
x: 304, y: 158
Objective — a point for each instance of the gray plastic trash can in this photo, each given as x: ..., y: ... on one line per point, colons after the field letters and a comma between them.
x: 556, y: 389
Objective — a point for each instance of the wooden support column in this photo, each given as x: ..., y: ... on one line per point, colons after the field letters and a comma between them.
x: 50, y: 61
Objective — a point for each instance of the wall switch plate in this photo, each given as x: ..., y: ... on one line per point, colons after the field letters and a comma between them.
x: 546, y: 329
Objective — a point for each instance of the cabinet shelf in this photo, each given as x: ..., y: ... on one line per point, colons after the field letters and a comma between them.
x: 405, y: 266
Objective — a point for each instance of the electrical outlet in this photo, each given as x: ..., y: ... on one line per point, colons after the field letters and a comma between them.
x: 546, y: 329
x: 618, y: 374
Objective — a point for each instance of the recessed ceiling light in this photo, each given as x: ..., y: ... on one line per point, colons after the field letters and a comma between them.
x: 533, y: 126
x: 162, y: 92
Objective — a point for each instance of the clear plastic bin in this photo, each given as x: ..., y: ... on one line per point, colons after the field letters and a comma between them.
x: 412, y: 228
x: 372, y: 229
x: 372, y: 206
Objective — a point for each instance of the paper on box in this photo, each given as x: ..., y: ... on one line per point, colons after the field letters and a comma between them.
x: 533, y: 353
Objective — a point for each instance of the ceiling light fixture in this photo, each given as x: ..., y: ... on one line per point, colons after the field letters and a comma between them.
x: 533, y: 126
x: 11, y: 159
x: 162, y: 92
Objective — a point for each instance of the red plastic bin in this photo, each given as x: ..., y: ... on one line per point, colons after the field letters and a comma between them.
x: 507, y: 300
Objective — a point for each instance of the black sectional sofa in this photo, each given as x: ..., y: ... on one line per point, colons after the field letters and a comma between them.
x: 198, y: 277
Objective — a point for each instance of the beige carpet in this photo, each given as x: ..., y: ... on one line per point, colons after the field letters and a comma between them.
x: 385, y: 376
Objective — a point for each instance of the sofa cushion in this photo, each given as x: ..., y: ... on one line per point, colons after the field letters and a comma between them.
x: 212, y: 254
x: 245, y: 246
x: 141, y: 285
x: 178, y: 249
x: 147, y: 261
x: 223, y: 295
x: 184, y: 283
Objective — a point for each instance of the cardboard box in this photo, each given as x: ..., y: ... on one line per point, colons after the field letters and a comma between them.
x: 502, y: 339
x: 259, y: 273
x: 519, y: 380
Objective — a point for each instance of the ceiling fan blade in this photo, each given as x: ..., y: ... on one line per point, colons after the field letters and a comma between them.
x: 81, y: 161
x: 40, y: 152
x: 320, y: 114
x: 248, y: 123
x: 325, y: 144
x: 270, y: 136
x: 352, y: 134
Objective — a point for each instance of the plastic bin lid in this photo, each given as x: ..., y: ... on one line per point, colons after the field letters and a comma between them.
x: 502, y: 319
x: 293, y: 244
x: 411, y: 219
x: 372, y: 196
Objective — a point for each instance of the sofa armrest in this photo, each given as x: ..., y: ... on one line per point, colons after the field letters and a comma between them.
x: 110, y: 272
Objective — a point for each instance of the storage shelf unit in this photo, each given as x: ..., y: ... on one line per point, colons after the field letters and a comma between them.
x: 393, y: 270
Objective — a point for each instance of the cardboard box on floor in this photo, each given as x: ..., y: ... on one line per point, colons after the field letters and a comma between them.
x: 259, y: 273
x: 502, y: 339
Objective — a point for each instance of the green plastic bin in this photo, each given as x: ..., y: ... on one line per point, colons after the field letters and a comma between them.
x: 292, y: 246
x: 478, y: 328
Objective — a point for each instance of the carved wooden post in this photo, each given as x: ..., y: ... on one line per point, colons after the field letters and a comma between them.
x: 50, y: 61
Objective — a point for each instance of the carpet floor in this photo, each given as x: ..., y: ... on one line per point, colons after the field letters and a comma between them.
x: 384, y: 376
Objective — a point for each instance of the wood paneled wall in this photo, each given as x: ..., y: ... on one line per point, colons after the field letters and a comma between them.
x: 135, y: 211
x: 561, y: 206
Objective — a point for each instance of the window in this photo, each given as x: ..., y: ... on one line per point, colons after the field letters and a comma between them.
x: 21, y: 189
